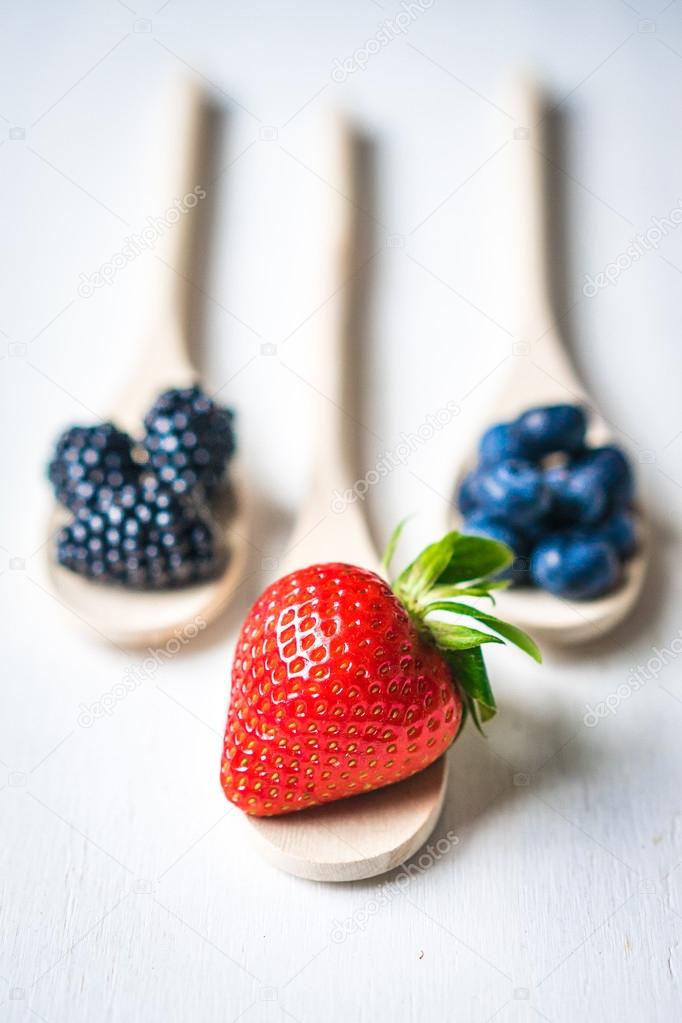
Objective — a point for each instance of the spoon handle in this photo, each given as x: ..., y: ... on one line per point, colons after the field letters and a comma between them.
x: 332, y: 371
x: 182, y: 149
x: 331, y: 524
x: 535, y: 313
x: 184, y: 153
x: 536, y: 319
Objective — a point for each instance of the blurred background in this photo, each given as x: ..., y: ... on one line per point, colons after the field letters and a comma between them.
x: 98, y: 819
x: 85, y: 131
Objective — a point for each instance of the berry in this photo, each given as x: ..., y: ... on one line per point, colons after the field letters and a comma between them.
x: 578, y: 494
x: 141, y: 535
x: 612, y: 468
x: 338, y: 688
x: 359, y: 694
x: 189, y: 439
x: 573, y: 515
x: 89, y: 457
x: 466, y: 496
x: 480, y: 524
x: 575, y: 566
x: 514, y: 491
x: 498, y: 444
x: 531, y: 532
x: 619, y: 530
x: 543, y: 430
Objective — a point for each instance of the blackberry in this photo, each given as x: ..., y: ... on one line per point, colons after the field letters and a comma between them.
x: 142, y: 535
x: 87, y: 458
x: 189, y: 439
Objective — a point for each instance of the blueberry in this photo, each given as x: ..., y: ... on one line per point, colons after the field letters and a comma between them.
x: 541, y: 431
x: 579, y: 497
x: 613, y: 470
x: 533, y: 531
x: 480, y: 524
x: 498, y: 444
x: 514, y: 491
x: 466, y: 495
x: 575, y: 566
x: 619, y: 530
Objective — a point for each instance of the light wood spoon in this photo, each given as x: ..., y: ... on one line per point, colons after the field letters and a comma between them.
x: 371, y: 833
x: 122, y: 615
x: 543, y: 375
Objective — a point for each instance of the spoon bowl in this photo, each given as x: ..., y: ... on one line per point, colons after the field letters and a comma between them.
x: 137, y: 618
x: 545, y: 616
x: 358, y: 837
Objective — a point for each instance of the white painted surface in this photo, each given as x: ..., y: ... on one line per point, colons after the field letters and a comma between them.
x: 128, y: 892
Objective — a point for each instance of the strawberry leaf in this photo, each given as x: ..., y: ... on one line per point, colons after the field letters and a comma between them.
x: 458, y: 637
x: 510, y: 632
x: 469, y: 673
x: 391, y: 546
x: 480, y: 589
x: 474, y: 557
x: 471, y: 708
x: 460, y: 566
x: 426, y: 569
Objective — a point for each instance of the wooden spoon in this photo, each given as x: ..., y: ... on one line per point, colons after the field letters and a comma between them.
x: 374, y: 832
x: 543, y: 375
x: 121, y: 615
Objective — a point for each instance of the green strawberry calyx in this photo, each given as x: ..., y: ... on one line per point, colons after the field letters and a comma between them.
x: 453, y: 568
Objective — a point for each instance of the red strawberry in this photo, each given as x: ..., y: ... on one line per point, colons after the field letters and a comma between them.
x: 341, y: 685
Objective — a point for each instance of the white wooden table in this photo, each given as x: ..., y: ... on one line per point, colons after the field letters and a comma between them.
x: 553, y: 889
